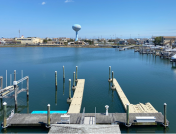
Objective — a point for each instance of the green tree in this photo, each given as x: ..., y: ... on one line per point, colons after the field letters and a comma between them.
x: 49, y: 40
x: 45, y: 41
x: 158, y: 40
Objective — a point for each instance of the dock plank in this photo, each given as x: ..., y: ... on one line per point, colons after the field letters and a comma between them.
x: 76, y: 103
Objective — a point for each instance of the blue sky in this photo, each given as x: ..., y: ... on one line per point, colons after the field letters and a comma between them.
x: 98, y: 18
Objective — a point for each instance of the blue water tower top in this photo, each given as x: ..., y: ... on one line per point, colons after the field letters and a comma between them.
x: 76, y: 27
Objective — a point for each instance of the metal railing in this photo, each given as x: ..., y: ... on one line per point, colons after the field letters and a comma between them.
x: 21, y: 80
x: 82, y: 118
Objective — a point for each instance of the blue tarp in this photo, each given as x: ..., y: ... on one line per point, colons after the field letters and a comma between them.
x: 51, y: 112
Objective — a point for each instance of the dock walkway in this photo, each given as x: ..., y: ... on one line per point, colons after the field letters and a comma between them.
x: 138, y: 108
x: 101, y: 118
x: 64, y: 128
x: 75, y: 105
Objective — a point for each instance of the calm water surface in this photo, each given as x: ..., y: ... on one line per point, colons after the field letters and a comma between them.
x: 143, y: 78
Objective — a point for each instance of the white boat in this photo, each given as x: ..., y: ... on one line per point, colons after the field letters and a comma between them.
x: 121, y: 49
x: 173, y: 58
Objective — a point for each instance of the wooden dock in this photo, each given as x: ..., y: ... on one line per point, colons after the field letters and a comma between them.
x: 138, y: 108
x: 101, y: 118
x: 75, y: 105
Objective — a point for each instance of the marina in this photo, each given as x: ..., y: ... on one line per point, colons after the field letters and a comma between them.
x: 93, y: 87
x: 139, y: 114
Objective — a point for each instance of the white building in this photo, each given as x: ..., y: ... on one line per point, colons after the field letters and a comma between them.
x: 29, y: 40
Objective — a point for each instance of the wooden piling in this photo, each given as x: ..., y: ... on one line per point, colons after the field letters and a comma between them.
x: 76, y: 73
x: 109, y: 74
x: 127, y: 115
x: 48, y: 115
x: 15, y: 88
x: 112, y: 78
x: 69, y: 88
x: 14, y: 75
x: 113, y: 87
x: 4, y: 114
x: 165, y: 113
x: 73, y: 81
x: 56, y: 78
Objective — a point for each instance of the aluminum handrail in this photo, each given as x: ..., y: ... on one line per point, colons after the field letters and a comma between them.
x: 21, y: 80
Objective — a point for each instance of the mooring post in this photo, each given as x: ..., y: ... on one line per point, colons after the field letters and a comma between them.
x: 165, y: 113
x: 14, y: 75
x: 27, y: 87
x: 63, y: 73
x: 69, y: 99
x: 73, y: 81
x: 109, y: 73
x: 69, y: 88
x: 127, y: 115
x: 15, y: 88
x: 48, y: 115
x: 5, y: 114
x: 56, y: 78
x: 112, y: 78
x: 113, y: 87
x: 76, y: 73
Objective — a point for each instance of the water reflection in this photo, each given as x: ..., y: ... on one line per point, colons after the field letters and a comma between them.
x: 56, y: 95
x: 112, y: 95
x: 27, y: 105
x: 143, y: 129
x: 109, y: 87
x: 63, y: 86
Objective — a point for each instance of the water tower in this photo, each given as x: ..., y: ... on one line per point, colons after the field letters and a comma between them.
x: 76, y: 27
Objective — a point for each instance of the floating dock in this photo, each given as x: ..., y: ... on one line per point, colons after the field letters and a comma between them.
x: 101, y: 118
x: 138, y: 108
x: 75, y: 105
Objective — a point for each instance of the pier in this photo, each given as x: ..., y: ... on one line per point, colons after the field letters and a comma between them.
x: 76, y: 102
x: 101, y: 118
x: 138, y: 108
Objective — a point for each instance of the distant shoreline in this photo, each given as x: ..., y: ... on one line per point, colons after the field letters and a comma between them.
x: 85, y: 46
x: 57, y: 46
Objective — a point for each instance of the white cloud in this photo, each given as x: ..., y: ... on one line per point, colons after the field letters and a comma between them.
x: 43, y: 3
x: 66, y: 1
